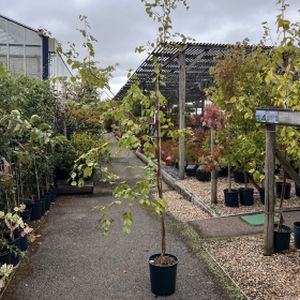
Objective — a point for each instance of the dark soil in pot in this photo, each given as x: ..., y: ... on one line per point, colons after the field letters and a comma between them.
x: 163, y: 277
x: 202, y: 174
x: 246, y: 196
x: 282, y: 238
x: 287, y: 192
x: 231, y: 198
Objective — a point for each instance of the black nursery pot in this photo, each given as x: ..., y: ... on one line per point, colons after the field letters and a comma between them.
x: 297, y: 234
x: 25, y: 215
x: 282, y: 239
x: 297, y: 190
x: 231, y: 198
x: 5, y: 257
x: 246, y: 196
x: 163, y: 278
x: 287, y: 192
x: 190, y: 170
x: 47, y: 201
x: 14, y: 258
x: 23, y: 244
x: 36, y: 209
x: 202, y: 174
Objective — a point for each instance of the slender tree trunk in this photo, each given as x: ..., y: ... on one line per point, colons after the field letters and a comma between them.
x: 158, y: 172
x: 37, y: 179
x: 229, y: 178
x: 214, y: 198
x: 245, y: 180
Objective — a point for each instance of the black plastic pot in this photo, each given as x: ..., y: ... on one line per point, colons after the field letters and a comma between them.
x: 297, y: 190
x: 47, y: 201
x: 231, y: 198
x: 14, y: 257
x: 163, y: 278
x: 202, y: 174
x: 287, y: 192
x: 262, y: 195
x: 36, y: 209
x: 25, y: 215
x: 5, y: 257
x: 177, y: 164
x: 23, y: 244
x: 190, y: 170
x: 43, y: 206
x: 282, y: 239
x: 238, y: 177
x: 246, y: 196
x: 297, y: 234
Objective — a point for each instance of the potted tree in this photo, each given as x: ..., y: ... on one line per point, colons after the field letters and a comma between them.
x: 162, y: 265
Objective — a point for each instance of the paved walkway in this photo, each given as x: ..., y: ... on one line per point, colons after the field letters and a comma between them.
x: 233, y: 225
x: 72, y: 260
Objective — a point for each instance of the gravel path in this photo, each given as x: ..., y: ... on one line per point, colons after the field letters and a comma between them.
x: 260, y: 277
x: 74, y: 261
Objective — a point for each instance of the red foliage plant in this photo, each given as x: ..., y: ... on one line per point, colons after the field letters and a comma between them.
x: 213, y: 118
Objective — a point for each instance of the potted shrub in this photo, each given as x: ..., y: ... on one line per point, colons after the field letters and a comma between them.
x: 282, y: 233
x: 162, y: 266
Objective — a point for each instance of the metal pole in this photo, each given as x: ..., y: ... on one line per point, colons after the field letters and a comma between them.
x: 182, y: 87
x: 269, y: 190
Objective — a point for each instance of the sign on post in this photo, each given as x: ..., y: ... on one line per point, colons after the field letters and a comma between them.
x: 278, y: 116
x: 272, y: 117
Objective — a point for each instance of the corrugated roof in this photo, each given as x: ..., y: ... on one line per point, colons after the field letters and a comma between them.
x: 199, y: 58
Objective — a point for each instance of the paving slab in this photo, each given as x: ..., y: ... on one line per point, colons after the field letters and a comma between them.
x: 73, y: 260
x: 233, y: 226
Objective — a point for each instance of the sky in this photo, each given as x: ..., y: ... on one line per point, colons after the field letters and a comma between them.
x: 122, y: 25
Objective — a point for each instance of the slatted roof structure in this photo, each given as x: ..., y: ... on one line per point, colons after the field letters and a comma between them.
x: 199, y: 58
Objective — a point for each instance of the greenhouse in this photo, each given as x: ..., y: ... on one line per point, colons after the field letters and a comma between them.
x: 27, y: 51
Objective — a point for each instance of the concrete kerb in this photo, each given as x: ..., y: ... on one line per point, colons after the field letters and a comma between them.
x: 176, y: 185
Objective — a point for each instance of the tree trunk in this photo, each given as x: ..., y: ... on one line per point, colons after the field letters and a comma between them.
x: 37, y: 179
x: 214, y: 197
x: 158, y: 171
x: 229, y: 178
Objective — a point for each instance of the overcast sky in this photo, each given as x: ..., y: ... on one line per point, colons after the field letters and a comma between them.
x: 121, y: 25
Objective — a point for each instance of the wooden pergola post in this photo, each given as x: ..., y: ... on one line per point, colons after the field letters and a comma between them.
x: 269, y: 190
x: 181, y: 92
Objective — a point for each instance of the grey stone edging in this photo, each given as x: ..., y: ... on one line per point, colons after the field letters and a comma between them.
x: 176, y: 185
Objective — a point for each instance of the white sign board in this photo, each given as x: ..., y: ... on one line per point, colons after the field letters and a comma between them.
x: 277, y: 116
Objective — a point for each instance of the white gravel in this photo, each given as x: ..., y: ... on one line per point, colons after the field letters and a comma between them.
x: 202, y: 190
x: 260, y: 277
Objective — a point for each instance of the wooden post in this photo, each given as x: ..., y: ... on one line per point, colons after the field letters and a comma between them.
x: 182, y: 83
x: 269, y: 190
x: 214, y: 197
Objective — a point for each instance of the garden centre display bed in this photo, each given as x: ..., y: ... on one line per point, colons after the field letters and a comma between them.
x: 260, y: 277
x: 183, y: 209
x: 202, y: 191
